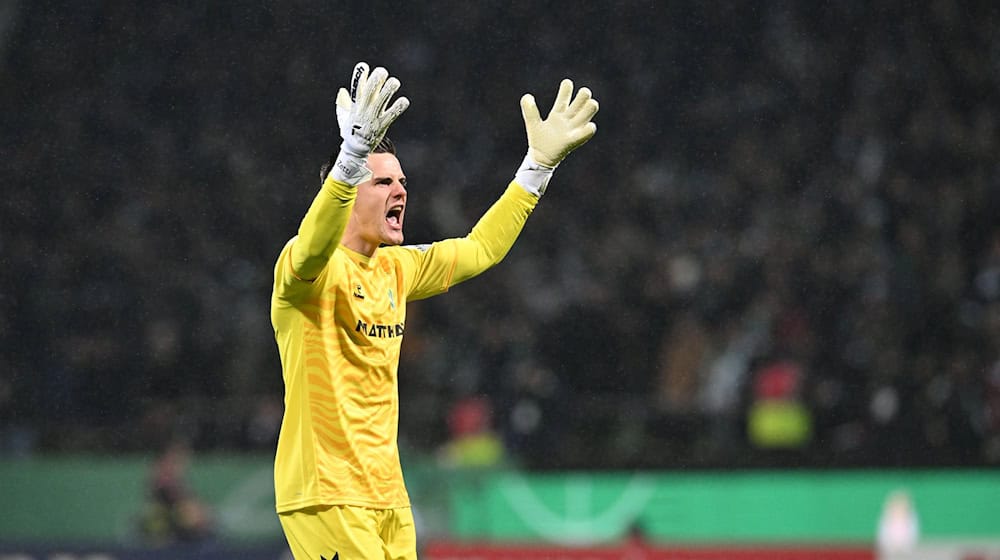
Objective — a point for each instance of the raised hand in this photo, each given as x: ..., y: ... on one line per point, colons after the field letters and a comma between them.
x: 567, y: 127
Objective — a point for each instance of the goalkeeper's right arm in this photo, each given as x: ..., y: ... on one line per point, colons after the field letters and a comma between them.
x: 363, y: 120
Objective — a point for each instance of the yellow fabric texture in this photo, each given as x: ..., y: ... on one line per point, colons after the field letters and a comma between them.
x: 329, y: 531
x: 339, y: 337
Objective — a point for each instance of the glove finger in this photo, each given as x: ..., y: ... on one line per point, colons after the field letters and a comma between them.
x: 343, y: 99
x: 390, y: 87
x: 358, y: 79
x: 586, y: 112
x: 582, y: 134
x: 366, y: 91
x: 578, y: 102
x: 529, y: 110
x: 374, y: 84
x: 393, y: 112
x: 377, y: 77
x: 343, y: 111
x: 563, y: 97
x: 368, y: 101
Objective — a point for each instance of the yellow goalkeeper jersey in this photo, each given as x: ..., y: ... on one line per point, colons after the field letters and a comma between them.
x: 339, y: 338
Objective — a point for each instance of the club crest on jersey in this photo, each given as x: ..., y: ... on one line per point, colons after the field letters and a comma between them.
x: 357, y: 292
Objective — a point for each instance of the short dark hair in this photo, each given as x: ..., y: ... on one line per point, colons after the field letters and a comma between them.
x: 385, y: 146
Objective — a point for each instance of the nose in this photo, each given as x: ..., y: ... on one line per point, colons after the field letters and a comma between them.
x: 398, y: 189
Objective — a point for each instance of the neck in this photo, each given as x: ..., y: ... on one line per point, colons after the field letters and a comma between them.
x: 358, y: 244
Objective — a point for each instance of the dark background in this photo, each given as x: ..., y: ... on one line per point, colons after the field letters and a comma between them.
x: 791, y: 200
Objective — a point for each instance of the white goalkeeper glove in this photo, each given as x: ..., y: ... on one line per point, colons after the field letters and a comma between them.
x: 567, y: 127
x: 363, y: 120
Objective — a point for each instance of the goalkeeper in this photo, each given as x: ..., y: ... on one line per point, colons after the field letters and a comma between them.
x: 338, y: 308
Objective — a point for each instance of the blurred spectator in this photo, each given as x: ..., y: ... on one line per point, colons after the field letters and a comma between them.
x: 778, y: 418
x: 534, y: 410
x: 174, y: 513
x: 473, y: 442
x: 898, y: 526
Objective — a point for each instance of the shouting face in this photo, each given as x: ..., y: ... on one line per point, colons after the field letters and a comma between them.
x: 377, y: 218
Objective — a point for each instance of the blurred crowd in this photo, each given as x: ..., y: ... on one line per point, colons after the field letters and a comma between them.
x: 782, y: 248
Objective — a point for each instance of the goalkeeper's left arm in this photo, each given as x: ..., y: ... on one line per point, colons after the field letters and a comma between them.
x: 567, y: 127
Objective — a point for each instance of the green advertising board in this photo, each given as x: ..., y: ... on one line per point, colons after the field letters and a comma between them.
x: 774, y: 506
x: 84, y: 499
x: 99, y: 499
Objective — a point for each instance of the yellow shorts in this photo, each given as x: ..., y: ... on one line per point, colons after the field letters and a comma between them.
x: 355, y: 533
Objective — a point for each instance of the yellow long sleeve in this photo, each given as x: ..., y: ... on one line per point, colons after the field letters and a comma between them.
x: 494, y: 234
x: 322, y: 228
x: 432, y: 269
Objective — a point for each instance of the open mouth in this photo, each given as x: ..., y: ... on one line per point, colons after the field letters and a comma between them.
x: 394, y: 217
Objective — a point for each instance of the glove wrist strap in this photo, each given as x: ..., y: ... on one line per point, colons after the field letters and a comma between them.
x: 350, y: 167
x: 533, y: 176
